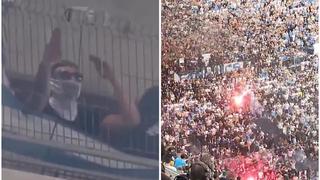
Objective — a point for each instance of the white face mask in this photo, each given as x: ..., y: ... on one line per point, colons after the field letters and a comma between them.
x: 65, y: 111
x: 64, y: 98
x: 68, y: 89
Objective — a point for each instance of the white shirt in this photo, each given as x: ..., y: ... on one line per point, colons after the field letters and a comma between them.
x: 284, y: 130
x: 286, y: 106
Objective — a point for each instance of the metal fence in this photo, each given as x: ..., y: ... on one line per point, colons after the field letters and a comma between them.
x: 131, y: 50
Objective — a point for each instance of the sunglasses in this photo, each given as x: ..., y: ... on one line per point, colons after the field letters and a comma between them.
x: 65, y: 75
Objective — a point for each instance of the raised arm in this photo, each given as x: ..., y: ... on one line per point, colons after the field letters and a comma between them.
x: 129, y: 116
x: 40, y: 93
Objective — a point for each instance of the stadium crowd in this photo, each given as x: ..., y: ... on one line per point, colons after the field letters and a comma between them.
x: 276, y: 120
x: 230, y: 31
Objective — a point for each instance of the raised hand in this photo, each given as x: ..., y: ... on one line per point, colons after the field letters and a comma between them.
x: 102, y: 67
x: 38, y: 99
x: 52, y: 52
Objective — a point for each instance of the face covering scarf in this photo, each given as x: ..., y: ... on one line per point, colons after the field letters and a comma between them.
x: 64, y: 98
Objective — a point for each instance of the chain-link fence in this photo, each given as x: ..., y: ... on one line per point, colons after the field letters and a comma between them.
x: 131, y: 51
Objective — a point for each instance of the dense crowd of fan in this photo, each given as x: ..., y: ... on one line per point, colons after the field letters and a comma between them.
x: 275, y: 41
x: 241, y: 30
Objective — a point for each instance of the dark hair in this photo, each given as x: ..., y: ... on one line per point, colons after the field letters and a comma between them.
x: 197, y: 172
x: 164, y: 177
x: 182, y: 177
x: 168, y: 154
x: 149, y: 106
x: 63, y: 63
x: 183, y: 156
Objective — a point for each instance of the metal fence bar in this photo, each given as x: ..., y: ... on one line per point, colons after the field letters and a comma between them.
x: 17, y: 47
x: 144, y: 65
x: 46, y: 140
x: 72, y: 172
x: 128, y: 70
x: 30, y: 68
x: 117, y: 156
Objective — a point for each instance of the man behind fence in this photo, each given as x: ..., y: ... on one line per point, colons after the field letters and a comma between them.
x: 57, y: 89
